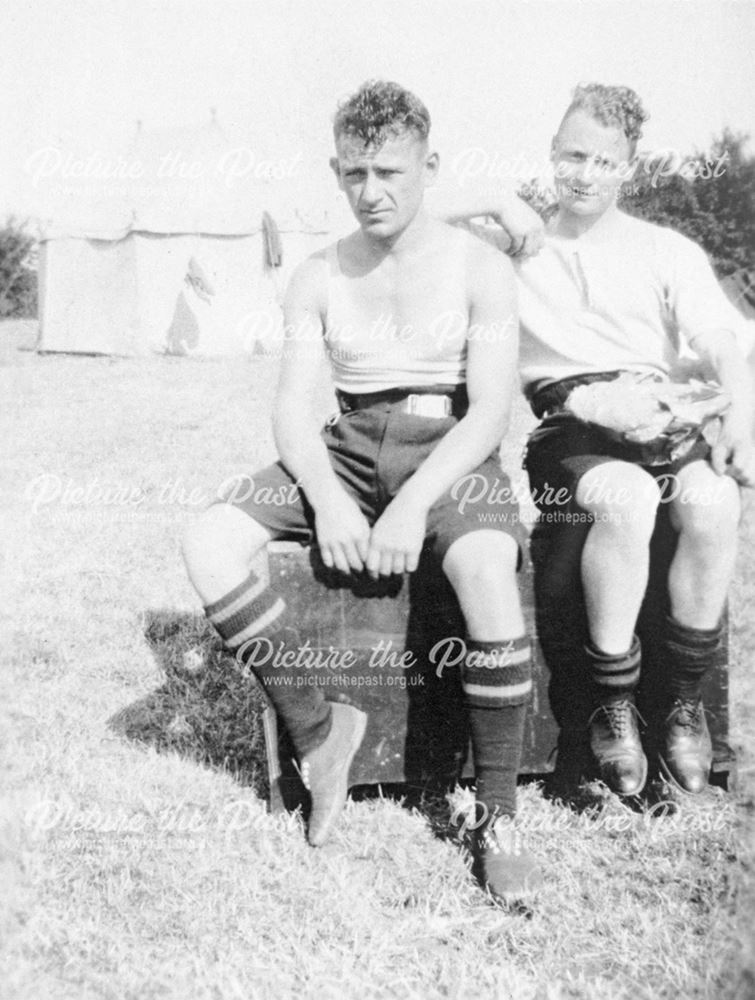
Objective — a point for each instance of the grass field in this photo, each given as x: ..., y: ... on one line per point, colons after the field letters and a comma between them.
x: 136, y: 855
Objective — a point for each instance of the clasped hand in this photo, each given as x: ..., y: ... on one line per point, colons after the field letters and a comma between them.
x: 524, y: 227
x: 392, y: 545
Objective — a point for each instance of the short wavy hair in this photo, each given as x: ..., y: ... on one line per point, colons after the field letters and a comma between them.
x: 617, y: 106
x: 381, y: 110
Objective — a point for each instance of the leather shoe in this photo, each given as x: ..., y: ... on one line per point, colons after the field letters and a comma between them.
x: 616, y: 746
x: 688, y: 751
x: 325, y: 770
x: 509, y: 871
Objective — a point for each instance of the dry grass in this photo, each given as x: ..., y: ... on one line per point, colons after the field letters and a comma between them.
x: 137, y: 857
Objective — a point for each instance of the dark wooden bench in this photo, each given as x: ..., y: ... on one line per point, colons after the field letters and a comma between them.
x: 417, y: 731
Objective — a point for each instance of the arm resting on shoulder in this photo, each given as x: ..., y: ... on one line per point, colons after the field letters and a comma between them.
x: 523, y: 229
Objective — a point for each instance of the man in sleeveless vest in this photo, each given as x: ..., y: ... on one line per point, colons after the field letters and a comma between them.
x: 418, y: 322
x: 612, y: 299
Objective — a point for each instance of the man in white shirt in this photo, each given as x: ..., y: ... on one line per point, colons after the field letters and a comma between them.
x: 608, y: 294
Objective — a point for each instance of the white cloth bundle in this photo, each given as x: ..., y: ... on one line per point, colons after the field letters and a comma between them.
x: 645, y: 410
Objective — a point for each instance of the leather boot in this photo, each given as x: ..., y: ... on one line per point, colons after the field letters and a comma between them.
x: 688, y: 751
x: 616, y: 746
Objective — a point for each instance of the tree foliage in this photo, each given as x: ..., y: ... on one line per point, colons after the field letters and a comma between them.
x: 18, y: 279
x: 709, y: 197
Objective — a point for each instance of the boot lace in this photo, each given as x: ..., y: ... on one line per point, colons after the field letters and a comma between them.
x: 618, y: 714
x: 687, y: 714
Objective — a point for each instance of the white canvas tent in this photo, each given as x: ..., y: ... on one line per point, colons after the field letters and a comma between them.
x: 172, y: 256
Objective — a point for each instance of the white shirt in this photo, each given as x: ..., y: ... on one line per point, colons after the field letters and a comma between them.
x: 629, y: 295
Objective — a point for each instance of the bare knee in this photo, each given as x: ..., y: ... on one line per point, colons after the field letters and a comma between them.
x: 481, y: 568
x: 222, y: 532
x: 708, y: 514
x: 482, y: 559
x: 481, y: 552
x: 620, y: 496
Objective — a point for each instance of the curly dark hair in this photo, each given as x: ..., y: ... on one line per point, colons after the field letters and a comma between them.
x: 618, y: 106
x: 380, y: 110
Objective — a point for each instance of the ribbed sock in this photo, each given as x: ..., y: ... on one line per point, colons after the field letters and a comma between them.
x: 252, y: 612
x: 689, y: 653
x: 614, y: 675
x: 497, y: 683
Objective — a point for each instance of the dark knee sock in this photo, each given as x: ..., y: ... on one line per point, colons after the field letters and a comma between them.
x: 497, y: 683
x: 613, y: 675
x: 689, y: 652
x: 250, y: 620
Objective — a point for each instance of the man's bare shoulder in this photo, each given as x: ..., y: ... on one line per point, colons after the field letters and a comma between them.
x: 308, y: 282
x: 487, y: 267
x: 315, y: 265
x: 478, y: 254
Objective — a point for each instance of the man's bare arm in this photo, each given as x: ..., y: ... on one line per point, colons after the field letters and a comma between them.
x: 734, y: 453
x: 522, y: 225
x: 398, y: 535
x: 342, y: 530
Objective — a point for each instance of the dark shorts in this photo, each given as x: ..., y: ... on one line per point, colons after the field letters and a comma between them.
x: 373, y: 452
x: 562, y: 449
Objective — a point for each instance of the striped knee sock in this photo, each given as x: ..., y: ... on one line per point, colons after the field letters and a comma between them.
x: 689, y: 653
x: 254, y: 611
x: 614, y: 675
x: 497, y: 684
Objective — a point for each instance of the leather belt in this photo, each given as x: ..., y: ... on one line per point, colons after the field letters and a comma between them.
x: 423, y: 401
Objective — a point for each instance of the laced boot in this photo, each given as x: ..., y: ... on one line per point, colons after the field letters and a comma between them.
x: 508, y: 870
x: 688, y: 751
x: 616, y: 746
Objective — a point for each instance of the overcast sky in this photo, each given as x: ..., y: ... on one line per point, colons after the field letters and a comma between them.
x: 496, y: 74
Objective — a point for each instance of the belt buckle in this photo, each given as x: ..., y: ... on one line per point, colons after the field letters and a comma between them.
x: 428, y: 405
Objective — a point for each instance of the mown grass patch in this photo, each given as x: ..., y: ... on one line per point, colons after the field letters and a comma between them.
x: 137, y: 856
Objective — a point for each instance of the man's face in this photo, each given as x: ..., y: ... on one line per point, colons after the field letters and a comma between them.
x: 384, y: 185
x: 591, y: 162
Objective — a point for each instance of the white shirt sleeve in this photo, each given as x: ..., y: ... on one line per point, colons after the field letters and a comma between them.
x: 695, y: 298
